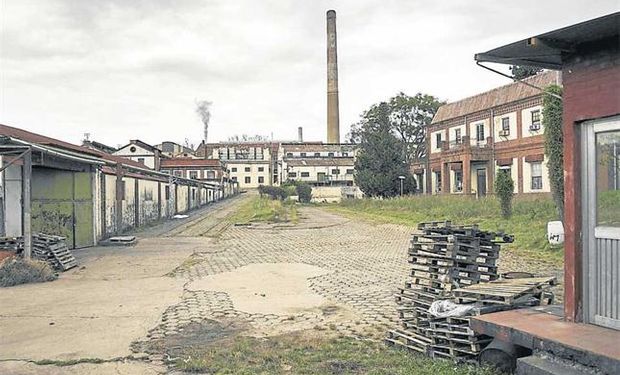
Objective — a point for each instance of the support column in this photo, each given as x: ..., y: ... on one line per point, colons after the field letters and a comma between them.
x: 120, y: 195
x: 26, y: 204
x: 467, y: 175
x: 445, y: 178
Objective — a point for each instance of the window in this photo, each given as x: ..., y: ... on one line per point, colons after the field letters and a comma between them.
x: 535, y: 120
x: 438, y: 182
x: 350, y: 171
x: 345, y: 154
x: 506, y: 125
x: 261, y: 169
x: 234, y: 169
x: 292, y: 174
x: 607, y: 170
x: 193, y: 175
x: 438, y: 140
x: 141, y: 160
x: 457, y: 136
x: 132, y: 148
x: 247, y: 169
x: 248, y: 180
x: 261, y: 179
x: 305, y: 174
x: 480, y: 132
x: 234, y: 178
x: 167, y: 192
x: 289, y: 154
x: 330, y: 154
x: 210, y: 175
x: 317, y: 154
x: 303, y: 154
x: 178, y: 173
x: 536, y: 176
x: 336, y: 171
x: 458, y: 181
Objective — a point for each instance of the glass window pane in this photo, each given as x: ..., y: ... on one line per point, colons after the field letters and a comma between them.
x: 608, y: 178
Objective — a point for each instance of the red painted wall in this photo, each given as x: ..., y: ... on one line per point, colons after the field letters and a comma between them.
x: 591, y: 90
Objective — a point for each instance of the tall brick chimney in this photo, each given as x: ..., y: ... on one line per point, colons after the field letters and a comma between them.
x: 333, y: 116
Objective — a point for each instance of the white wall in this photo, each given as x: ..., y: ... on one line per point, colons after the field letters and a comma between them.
x: 526, y: 121
x: 497, y: 127
x: 433, y: 141
x: 527, y: 177
x: 254, y: 174
x: 472, y: 131
x: 148, y: 156
x: 452, y: 133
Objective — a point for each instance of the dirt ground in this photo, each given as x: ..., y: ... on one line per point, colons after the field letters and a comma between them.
x: 195, y: 281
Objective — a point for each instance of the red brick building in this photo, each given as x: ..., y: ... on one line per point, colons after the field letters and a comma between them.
x: 471, y: 139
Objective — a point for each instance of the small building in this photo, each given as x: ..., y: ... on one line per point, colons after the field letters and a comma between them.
x: 588, y: 331
x: 471, y: 140
x: 317, y: 164
x: 175, y: 150
x: 141, y: 152
x: 207, y: 170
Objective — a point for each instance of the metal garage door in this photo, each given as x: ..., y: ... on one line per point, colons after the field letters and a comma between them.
x: 62, y: 204
x: 601, y: 218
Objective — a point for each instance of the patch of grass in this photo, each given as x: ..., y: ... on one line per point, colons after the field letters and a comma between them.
x: 528, y: 222
x: 263, y: 209
x: 16, y: 271
x: 305, y: 354
x: 70, y: 362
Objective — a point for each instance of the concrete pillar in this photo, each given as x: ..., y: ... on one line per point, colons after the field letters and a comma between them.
x: 26, y: 204
x: 445, y: 178
x: 333, y: 115
x: 467, y: 175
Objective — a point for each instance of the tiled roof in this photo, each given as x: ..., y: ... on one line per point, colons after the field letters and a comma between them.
x: 188, y: 162
x: 496, y: 97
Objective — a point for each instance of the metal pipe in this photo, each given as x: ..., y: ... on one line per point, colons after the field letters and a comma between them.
x: 520, y: 81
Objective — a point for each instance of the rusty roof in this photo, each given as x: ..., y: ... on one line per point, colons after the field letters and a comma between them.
x: 188, y: 162
x: 496, y: 97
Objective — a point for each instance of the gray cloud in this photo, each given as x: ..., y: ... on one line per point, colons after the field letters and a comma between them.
x: 132, y: 69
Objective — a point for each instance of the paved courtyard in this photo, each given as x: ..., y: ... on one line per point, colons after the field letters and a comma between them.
x: 328, y: 274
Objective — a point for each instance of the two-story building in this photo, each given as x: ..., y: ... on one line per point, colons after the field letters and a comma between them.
x: 317, y: 163
x: 141, y: 152
x: 251, y: 164
x: 205, y: 170
x: 473, y: 139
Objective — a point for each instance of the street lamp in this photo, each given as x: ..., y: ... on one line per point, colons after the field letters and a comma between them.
x: 401, y: 178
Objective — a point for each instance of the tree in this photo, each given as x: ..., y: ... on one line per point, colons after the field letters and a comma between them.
x: 554, y: 140
x: 504, y: 188
x: 304, y: 192
x: 523, y: 71
x: 381, y: 156
x: 248, y: 138
x: 406, y: 118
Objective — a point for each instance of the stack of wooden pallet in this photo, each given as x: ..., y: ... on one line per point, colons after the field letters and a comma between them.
x: 49, y: 248
x: 54, y: 250
x: 11, y: 243
x: 444, y: 257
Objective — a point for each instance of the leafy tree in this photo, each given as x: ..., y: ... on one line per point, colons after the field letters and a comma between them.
x: 381, y: 156
x: 523, y: 71
x: 554, y: 139
x: 504, y: 188
x: 304, y: 192
x: 248, y: 138
x: 405, y: 117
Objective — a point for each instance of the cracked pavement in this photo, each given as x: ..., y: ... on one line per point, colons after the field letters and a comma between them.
x: 327, y: 274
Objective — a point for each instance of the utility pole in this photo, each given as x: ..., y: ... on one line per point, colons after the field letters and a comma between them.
x: 402, y: 179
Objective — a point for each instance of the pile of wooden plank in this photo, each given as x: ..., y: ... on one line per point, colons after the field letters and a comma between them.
x: 54, y: 250
x: 49, y: 248
x: 444, y: 257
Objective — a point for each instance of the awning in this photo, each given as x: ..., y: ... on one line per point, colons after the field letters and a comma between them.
x: 550, y: 50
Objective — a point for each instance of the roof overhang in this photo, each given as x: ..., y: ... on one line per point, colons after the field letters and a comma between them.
x: 552, y: 49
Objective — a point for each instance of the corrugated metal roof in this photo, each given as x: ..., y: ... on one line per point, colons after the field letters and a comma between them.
x: 496, y: 97
x: 188, y: 162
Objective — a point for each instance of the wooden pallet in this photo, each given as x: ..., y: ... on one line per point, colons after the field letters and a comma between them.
x: 504, y: 291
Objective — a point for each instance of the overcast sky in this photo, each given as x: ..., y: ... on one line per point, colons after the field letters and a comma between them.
x: 127, y: 69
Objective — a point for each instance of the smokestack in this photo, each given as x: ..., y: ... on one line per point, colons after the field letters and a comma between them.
x: 333, y: 116
x: 300, y: 134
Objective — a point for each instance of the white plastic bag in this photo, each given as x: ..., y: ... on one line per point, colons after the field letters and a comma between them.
x: 446, y: 308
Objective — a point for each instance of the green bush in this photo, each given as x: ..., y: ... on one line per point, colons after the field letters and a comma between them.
x: 16, y: 271
x: 504, y: 188
x: 273, y: 192
x: 304, y: 192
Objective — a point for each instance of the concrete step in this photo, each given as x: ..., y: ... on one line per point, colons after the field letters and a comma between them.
x: 538, y: 364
